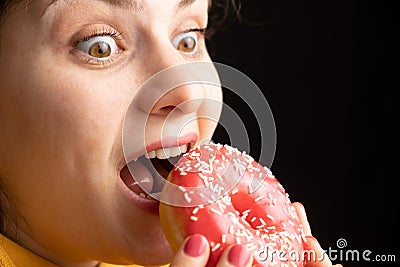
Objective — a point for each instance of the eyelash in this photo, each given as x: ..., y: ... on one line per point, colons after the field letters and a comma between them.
x: 117, y: 36
x: 104, y: 32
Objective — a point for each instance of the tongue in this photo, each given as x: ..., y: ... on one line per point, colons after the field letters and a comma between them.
x: 137, y: 178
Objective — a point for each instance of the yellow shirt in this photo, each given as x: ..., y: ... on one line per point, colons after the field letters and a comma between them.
x: 13, y: 255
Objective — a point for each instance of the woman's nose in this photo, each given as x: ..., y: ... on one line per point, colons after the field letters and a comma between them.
x: 176, y: 85
x: 175, y: 88
x: 185, y: 99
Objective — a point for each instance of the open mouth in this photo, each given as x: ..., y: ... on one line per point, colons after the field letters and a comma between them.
x: 146, y: 175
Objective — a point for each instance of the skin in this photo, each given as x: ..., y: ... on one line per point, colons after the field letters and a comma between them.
x: 61, y: 120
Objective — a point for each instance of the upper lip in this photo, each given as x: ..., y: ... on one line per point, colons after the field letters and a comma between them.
x: 190, y: 139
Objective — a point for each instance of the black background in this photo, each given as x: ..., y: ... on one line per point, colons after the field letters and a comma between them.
x: 327, y: 69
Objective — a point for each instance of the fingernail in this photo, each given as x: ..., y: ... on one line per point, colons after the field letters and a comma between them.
x: 195, y: 245
x: 239, y: 256
x: 301, y: 205
x: 313, y: 239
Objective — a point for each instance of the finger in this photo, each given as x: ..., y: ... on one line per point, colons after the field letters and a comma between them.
x: 193, y: 252
x: 236, y: 256
x: 301, y: 212
x: 315, y: 255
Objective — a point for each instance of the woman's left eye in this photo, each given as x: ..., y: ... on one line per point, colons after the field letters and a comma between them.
x: 185, y: 42
x: 100, y: 47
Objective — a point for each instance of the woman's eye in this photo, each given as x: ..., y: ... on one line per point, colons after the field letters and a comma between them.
x: 185, y: 42
x: 98, y: 47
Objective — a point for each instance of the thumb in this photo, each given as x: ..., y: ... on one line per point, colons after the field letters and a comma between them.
x: 193, y: 252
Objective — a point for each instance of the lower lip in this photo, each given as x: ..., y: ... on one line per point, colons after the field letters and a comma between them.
x: 148, y: 205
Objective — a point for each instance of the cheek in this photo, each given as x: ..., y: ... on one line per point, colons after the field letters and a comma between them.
x: 65, y: 118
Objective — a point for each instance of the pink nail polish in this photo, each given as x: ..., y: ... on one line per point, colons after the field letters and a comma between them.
x: 195, y: 245
x: 238, y: 256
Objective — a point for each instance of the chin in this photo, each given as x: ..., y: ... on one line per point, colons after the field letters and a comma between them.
x: 150, y: 247
x: 158, y: 252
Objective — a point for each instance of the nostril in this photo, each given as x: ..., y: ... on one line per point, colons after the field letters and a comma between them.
x: 165, y: 110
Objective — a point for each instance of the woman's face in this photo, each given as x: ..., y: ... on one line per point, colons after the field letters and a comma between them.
x: 69, y: 71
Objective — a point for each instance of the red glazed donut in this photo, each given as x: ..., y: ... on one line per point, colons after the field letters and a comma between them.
x: 225, y: 195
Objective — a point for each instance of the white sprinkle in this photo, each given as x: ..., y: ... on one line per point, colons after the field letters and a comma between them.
x: 253, y: 219
x: 258, y: 198
x: 181, y: 188
x: 234, y: 191
x: 216, y: 211
x: 284, y: 210
x: 239, y: 233
x: 250, y: 189
x: 202, y: 176
x: 187, y: 198
x: 194, y: 218
x: 221, y: 206
x: 237, y: 240
x: 216, y: 247
x: 231, y: 228
x: 292, y: 211
x: 195, y: 210
x: 227, y: 199
x: 223, y: 239
x: 183, y: 173
x: 270, y: 217
x: 246, y: 211
x: 200, y: 206
x: 262, y: 221
x: 246, y: 223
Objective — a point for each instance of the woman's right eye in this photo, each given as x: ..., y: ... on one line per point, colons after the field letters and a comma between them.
x: 100, y: 47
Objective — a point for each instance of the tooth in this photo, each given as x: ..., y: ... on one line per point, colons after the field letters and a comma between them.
x: 183, y: 148
x: 135, y: 159
x: 163, y: 153
x: 175, y: 151
x: 150, y: 155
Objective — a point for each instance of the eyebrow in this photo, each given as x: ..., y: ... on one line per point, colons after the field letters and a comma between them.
x: 136, y: 5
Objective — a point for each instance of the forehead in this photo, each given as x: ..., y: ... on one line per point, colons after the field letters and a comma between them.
x: 136, y: 5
